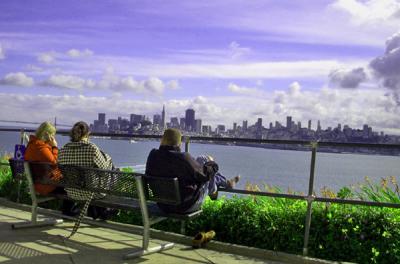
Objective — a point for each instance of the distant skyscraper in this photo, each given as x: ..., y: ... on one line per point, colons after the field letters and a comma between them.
x: 244, y: 126
x: 198, y: 125
x: 339, y: 127
x: 190, y: 123
x: 157, y: 119
x: 319, y: 126
x: 271, y: 126
x: 135, y: 119
x: 220, y: 128
x: 234, y: 126
x: 309, y: 124
x: 174, y: 122
x: 299, y: 125
x: 163, y: 117
x: 288, y: 122
x: 102, y: 119
x: 259, y: 124
x: 182, y: 123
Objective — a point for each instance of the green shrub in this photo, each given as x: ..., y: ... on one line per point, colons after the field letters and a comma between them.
x: 338, y: 232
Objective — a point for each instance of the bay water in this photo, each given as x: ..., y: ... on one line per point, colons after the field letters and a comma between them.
x: 286, y: 169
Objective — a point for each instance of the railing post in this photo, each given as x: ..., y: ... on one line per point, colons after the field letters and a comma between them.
x: 310, y: 198
x: 187, y: 141
x: 22, y: 135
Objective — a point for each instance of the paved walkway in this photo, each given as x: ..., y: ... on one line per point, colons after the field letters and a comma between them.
x: 91, y: 244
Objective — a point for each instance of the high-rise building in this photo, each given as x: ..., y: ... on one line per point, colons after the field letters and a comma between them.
x: 198, y: 125
x: 174, y: 122
x: 299, y: 125
x: 220, y: 129
x: 205, y: 130
x: 234, y: 127
x: 309, y: 124
x: 182, y: 123
x: 244, y: 125
x: 288, y: 122
x: 163, y: 117
x: 319, y: 126
x: 366, y: 131
x: 271, y: 126
x: 157, y: 119
x: 190, y: 122
x: 259, y: 124
x: 102, y: 119
x: 136, y: 119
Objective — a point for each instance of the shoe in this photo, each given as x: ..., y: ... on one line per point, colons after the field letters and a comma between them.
x: 202, y: 238
x: 232, y: 182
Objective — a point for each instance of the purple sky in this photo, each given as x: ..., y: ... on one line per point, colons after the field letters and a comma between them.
x: 337, y: 61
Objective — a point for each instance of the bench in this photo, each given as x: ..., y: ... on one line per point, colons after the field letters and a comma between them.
x: 106, y: 188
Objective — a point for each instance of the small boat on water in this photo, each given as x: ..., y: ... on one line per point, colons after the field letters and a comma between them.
x: 132, y: 141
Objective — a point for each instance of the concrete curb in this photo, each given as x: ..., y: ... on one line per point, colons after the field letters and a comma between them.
x: 251, y: 252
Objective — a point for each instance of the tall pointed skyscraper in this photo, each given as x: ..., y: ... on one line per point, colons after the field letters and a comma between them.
x: 163, y: 117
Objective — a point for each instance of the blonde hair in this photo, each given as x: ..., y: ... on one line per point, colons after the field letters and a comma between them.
x: 44, y: 129
x: 171, y: 137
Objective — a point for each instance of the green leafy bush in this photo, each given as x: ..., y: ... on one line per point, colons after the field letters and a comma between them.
x: 338, y: 232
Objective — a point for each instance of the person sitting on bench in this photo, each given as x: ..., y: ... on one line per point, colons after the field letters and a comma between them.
x: 81, y: 152
x: 42, y: 147
x: 196, y: 180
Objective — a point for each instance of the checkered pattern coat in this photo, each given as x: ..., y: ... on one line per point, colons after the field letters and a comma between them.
x: 85, y: 154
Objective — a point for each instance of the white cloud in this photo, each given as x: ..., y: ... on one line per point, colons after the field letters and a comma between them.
x: 331, y: 106
x: 69, y: 82
x: 17, y: 79
x: 282, y: 69
x: 153, y: 85
x: 348, y: 78
x: 111, y: 81
x: 234, y: 88
x: 2, y: 53
x: 236, y: 51
x: 173, y: 84
x: 75, y: 53
x: 47, y: 57
x: 370, y: 11
x: 294, y: 88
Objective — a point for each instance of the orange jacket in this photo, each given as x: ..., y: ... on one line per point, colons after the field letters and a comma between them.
x: 41, y: 151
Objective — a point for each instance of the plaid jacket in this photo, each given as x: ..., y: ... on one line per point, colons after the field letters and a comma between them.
x: 85, y: 154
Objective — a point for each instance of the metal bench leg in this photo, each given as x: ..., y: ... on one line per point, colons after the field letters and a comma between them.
x: 142, y: 252
x: 145, y: 250
x: 34, y: 210
x: 34, y: 221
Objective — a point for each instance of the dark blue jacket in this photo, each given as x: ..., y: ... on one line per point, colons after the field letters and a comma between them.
x: 170, y: 162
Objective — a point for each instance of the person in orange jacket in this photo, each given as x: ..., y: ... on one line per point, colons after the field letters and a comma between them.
x: 42, y: 147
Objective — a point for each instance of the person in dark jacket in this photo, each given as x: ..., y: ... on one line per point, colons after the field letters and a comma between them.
x: 194, y: 177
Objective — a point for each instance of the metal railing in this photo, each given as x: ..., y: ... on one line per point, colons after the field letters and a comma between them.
x: 311, y: 145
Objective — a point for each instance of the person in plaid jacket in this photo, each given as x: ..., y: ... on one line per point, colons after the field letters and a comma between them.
x: 81, y: 152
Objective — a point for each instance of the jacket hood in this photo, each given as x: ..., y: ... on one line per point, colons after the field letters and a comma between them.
x: 35, y: 141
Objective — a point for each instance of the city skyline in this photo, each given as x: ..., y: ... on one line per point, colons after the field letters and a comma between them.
x: 157, y: 125
x: 335, y: 61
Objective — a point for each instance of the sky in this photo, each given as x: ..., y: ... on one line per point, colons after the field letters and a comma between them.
x: 336, y: 61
